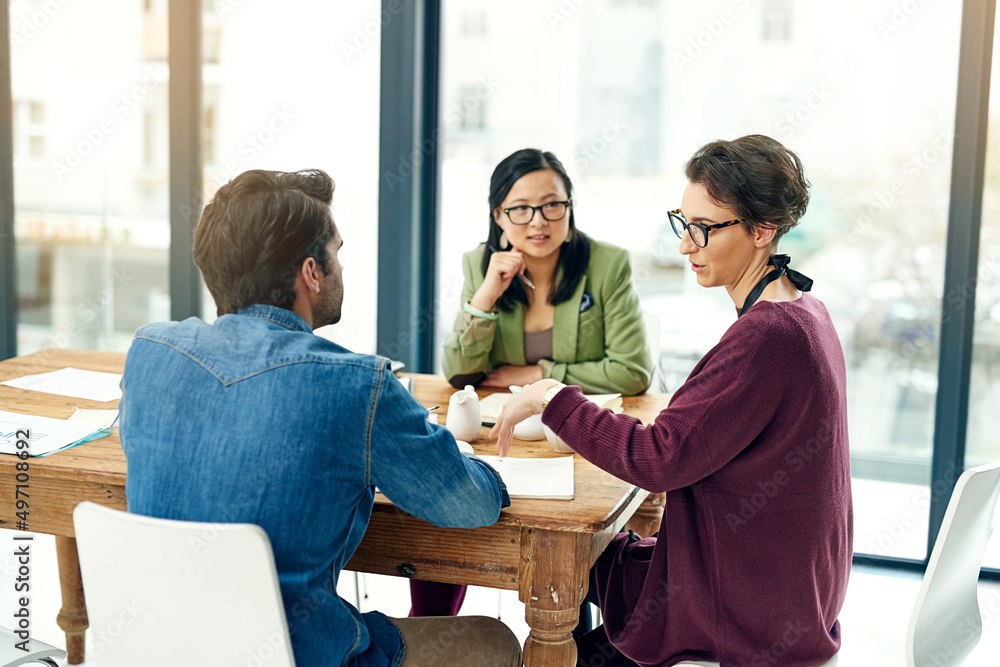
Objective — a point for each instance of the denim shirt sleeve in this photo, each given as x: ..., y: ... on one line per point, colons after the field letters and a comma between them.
x: 497, y: 477
x: 417, y: 465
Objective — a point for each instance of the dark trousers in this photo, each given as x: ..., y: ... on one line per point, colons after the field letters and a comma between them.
x: 593, y: 649
x: 430, y: 598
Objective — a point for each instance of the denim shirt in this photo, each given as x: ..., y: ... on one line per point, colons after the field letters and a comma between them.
x: 254, y: 419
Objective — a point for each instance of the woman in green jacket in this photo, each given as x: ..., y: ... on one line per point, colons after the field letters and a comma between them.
x: 540, y: 300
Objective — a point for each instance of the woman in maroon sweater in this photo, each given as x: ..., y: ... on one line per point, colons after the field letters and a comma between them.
x: 751, y: 561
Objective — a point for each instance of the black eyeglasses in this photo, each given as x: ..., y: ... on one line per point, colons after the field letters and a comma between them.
x: 551, y: 211
x: 698, y: 232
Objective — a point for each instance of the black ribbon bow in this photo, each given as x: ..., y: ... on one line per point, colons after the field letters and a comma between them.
x: 802, y: 282
x: 780, y: 262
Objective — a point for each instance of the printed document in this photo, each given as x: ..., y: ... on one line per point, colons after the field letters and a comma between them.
x: 92, y: 385
x: 46, y: 435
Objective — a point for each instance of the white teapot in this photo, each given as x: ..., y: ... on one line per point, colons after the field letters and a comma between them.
x: 463, y: 418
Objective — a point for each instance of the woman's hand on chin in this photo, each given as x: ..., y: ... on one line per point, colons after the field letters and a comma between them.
x: 505, y: 376
x: 503, y: 267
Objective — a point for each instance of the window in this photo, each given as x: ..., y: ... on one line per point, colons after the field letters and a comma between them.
x: 154, y: 30
x: 777, y: 20
x: 269, y: 109
x: 474, y: 23
x: 624, y: 93
x: 149, y: 139
x: 29, y: 129
x: 210, y: 106
x: 983, y: 434
x: 471, y: 112
x: 90, y: 224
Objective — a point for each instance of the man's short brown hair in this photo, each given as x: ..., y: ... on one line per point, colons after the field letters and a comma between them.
x: 258, y: 230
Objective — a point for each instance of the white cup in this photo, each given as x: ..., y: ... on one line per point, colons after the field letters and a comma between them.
x: 529, y: 429
x: 558, y: 444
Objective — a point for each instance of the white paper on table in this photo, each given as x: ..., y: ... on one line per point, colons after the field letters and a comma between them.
x: 92, y: 385
x: 46, y: 435
x: 535, y: 478
x: 98, y: 419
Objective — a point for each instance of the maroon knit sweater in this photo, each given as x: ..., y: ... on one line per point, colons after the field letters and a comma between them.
x: 751, y: 563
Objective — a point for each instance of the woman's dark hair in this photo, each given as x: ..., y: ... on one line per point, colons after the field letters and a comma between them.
x: 757, y: 177
x: 258, y: 230
x: 574, y: 256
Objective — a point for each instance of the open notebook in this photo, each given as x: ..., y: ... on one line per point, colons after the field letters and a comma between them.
x: 535, y: 478
x: 490, y: 407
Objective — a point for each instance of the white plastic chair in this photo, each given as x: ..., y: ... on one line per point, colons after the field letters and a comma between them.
x: 165, y: 593
x: 38, y: 652
x: 945, y: 624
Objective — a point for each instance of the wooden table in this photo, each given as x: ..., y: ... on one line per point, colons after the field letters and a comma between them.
x: 542, y: 548
x: 57, y: 483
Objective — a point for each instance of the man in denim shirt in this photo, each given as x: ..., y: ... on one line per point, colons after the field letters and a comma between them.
x: 255, y: 419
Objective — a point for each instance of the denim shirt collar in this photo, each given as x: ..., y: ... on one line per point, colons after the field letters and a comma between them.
x: 280, y: 316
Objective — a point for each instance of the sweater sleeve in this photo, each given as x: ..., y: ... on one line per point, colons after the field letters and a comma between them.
x: 626, y: 367
x: 467, y: 348
x: 722, y: 407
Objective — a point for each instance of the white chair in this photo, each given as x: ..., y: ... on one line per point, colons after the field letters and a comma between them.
x: 38, y: 652
x: 945, y: 624
x: 164, y: 593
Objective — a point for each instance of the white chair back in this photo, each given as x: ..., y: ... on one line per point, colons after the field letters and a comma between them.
x: 168, y: 593
x: 945, y: 625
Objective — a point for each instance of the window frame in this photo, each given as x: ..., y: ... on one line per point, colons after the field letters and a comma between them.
x: 408, y: 209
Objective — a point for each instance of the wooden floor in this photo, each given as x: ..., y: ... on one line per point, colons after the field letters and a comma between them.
x: 876, y: 600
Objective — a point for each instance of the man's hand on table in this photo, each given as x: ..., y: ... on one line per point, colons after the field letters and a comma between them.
x: 524, y: 404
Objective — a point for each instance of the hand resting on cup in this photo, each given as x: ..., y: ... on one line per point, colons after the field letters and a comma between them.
x: 524, y: 404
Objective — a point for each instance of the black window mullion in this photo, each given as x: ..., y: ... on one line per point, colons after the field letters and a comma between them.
x: 961, y: 256
x: 408, y: 191
x: 185, y: 37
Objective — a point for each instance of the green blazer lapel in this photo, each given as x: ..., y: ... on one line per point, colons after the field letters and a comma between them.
x: 567, y: 321
x: 511, y: 327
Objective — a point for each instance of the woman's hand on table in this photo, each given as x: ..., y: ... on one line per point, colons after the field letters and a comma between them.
x: 505, y: 376
x: 524, y: 404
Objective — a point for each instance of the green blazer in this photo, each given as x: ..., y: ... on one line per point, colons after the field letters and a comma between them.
x: 602, y: 349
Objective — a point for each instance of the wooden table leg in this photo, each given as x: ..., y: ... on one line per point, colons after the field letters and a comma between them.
x: 646, y: 519
x: 555, y: 569
x: 72, y: 617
